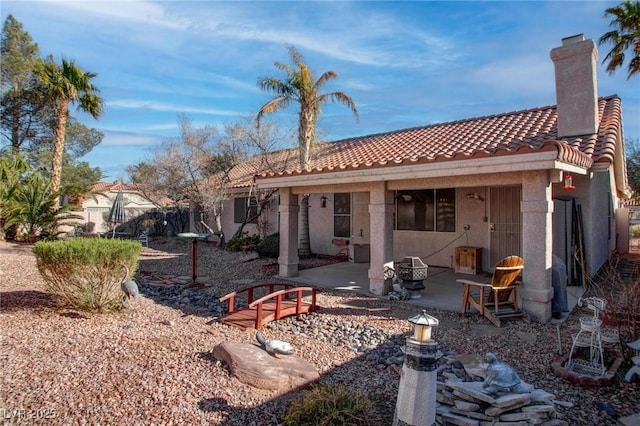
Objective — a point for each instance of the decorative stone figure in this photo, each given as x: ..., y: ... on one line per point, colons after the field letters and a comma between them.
x: 502, y: 378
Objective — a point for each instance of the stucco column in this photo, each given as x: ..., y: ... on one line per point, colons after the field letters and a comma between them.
x: 537, y: 244
x: 381, y: 219
x: 289, y: 209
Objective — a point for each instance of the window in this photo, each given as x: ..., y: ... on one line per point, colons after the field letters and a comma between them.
x: 240, y: 209
x: 342, y: 215
x: 426, y: 210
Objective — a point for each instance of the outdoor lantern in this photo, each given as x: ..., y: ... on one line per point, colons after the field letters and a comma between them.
x: 568, y: 182
x: 416, y: 405
x: 323, y: 202
x: 422, y: 324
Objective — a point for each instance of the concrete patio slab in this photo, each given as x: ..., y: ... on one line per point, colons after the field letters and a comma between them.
x: 441, y: 289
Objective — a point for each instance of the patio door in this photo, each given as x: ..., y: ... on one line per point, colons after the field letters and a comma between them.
x: 505, y: 224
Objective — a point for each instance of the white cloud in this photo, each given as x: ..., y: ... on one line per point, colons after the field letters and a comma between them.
x: 165, y: 107
x: 115, y: 138
x: 135, y: 12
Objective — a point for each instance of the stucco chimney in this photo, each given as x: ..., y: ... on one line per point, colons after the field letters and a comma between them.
x: 576, y: 86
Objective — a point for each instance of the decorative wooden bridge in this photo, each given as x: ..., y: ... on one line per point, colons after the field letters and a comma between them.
x: 282, y: 300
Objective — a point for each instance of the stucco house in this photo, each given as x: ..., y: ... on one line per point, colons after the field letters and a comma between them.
x: 534, y: 182
x: 95, y: 210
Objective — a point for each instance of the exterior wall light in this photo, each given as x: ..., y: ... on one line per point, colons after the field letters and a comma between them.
x: 474, y: 196
x: 323, y: 202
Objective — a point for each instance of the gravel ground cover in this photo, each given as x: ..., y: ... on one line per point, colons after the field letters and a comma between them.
x: 152, y: 365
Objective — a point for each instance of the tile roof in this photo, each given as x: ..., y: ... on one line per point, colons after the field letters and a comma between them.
x: 106, y: 187
x: 242, y: 175
x: 115, y: 186
x: 509, y: 133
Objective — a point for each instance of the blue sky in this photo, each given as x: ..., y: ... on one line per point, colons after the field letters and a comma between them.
x: 405, y: 64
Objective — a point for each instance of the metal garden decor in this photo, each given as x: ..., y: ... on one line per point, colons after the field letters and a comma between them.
x: 591, y: 337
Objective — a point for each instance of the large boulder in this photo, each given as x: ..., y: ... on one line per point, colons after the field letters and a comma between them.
x: 253, y: 366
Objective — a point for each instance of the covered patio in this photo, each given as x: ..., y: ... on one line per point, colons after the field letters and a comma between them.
x: 441, y: 289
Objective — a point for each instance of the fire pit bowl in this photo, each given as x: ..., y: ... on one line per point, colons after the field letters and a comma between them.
x: 412, y: 269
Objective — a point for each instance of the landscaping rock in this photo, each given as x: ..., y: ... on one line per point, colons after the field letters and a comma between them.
x: 255, y: 367
x: 468, y: 403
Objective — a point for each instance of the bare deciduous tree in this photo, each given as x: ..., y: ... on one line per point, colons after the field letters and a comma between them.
x: 207, y: 168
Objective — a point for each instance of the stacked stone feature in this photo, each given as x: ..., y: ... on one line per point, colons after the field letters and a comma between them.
x: 467, y: 403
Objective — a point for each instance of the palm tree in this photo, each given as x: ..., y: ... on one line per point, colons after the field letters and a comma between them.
x: 625, y: 37
x: 30, y: 208
x: 13, y: 169
x: 301, y: 86
x: 63, y: 85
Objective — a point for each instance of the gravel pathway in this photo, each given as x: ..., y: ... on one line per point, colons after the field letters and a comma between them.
x: 152, y: 363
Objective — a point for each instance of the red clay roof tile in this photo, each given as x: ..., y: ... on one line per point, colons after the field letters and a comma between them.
x: 501, y: 134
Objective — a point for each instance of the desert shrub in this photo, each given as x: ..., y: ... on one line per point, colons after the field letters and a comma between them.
x: 244, y: 240
x: 622, y: 293
x: 269, y: 246
x: 86, y: 273
x: 326, y: 405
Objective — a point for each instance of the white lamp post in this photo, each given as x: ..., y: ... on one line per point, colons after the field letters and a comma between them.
x: 416, y: 405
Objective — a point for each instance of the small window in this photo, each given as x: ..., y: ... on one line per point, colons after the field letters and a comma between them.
x: 342, y: 215
x: 240, y: 209
x: 426, y: 210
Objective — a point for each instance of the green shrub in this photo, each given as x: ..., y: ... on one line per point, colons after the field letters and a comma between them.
x: 634, y: 231
x: 269, y: 246
x: 327, y: 405
x: 86, y: 273
x: 239, y: 243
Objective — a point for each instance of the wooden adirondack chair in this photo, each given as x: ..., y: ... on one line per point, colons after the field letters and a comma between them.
x: 498, y: 299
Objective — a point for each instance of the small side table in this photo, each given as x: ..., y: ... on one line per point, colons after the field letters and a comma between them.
x: 468, y: 260
x: 194, y: 251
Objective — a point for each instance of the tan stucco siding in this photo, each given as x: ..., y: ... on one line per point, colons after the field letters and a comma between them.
x: 591, y: 194
x: 599, y: 220
x: 268, y: 221
x: 437, y: 248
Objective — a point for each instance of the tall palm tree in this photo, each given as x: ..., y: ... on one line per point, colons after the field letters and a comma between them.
x: 625, y: 37
x: 301, y: 86
x: 63, y: 85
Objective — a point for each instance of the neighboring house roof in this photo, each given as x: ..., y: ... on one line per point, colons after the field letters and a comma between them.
x: 115, y: 187
x: 107, y: 187
x: 509, y: 133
